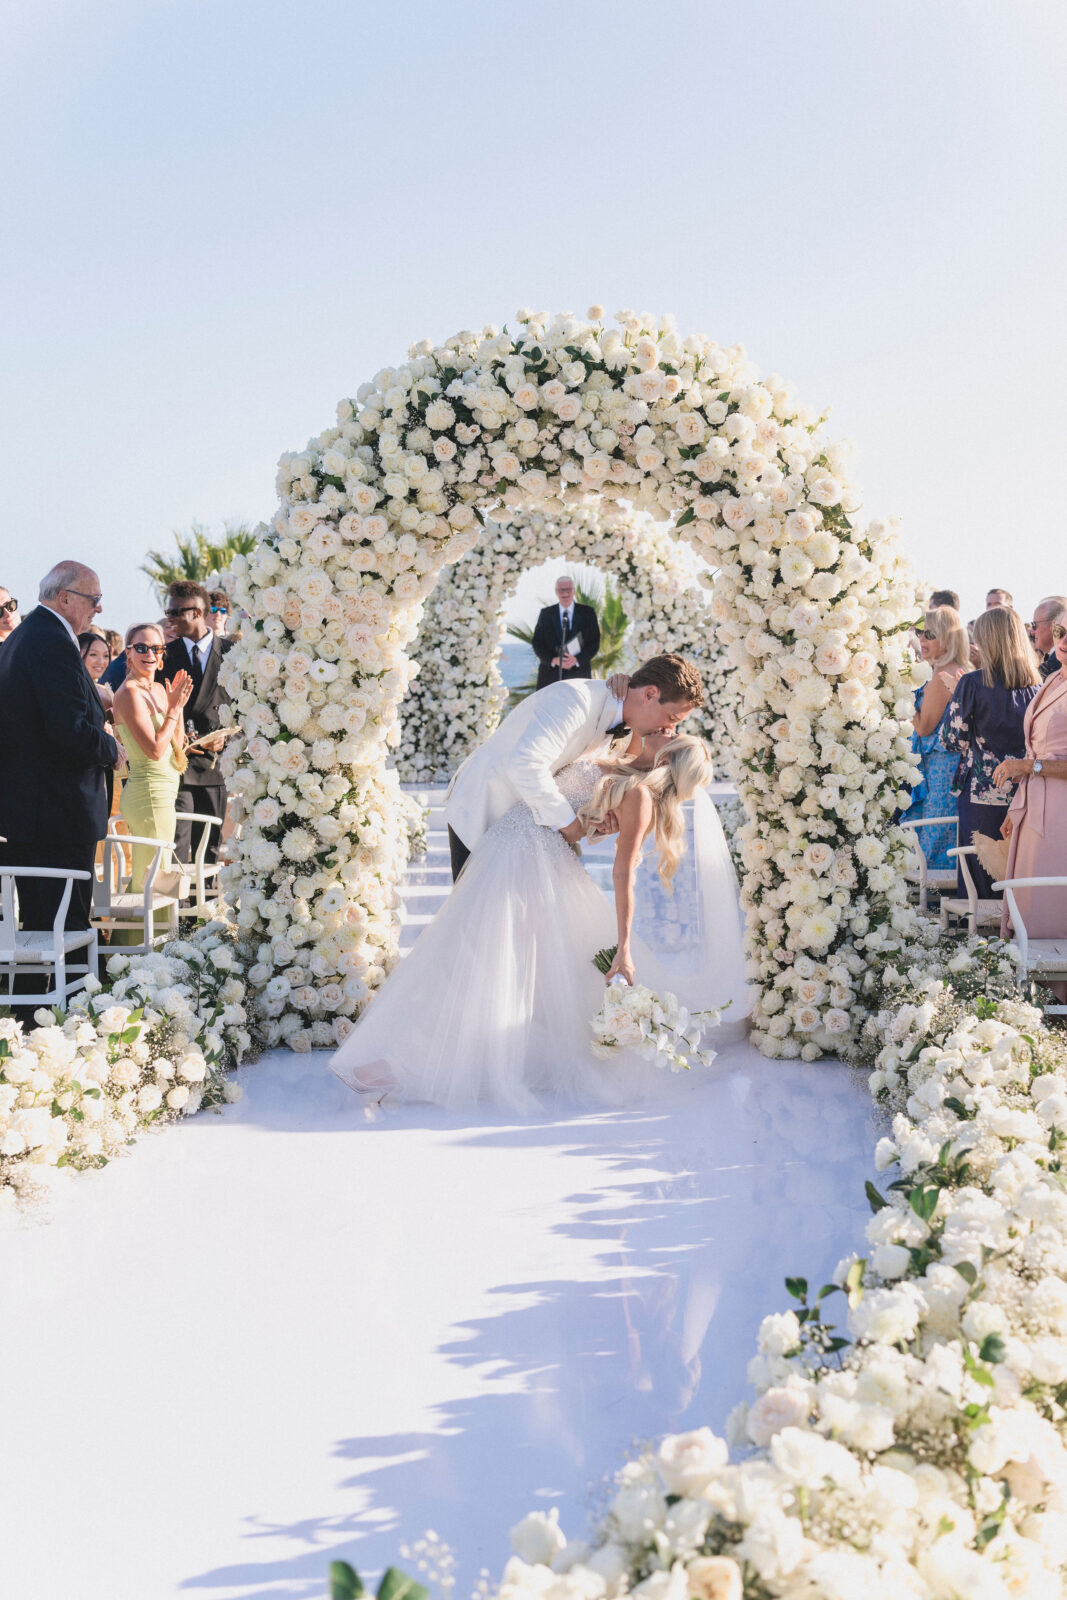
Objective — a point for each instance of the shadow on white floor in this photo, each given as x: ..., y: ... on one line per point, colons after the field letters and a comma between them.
x: 289, y: 1333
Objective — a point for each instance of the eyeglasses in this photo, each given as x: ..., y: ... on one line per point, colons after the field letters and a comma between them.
x: 219, y: 611
x: 9, y: 605
x: 148, y: 649
x: 95, y: 598
x: 185, y: 611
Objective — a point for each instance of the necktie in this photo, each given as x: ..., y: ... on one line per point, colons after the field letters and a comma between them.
x: 196, y: 667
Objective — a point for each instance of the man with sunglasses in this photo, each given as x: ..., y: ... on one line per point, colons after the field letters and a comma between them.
x: 196, y: 649
x: 219, y: 614
x: 1048, y: 613
x: 9, y: 614
x: 53, y: 798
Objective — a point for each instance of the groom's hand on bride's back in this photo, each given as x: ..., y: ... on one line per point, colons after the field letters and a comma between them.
x: 574, y: 832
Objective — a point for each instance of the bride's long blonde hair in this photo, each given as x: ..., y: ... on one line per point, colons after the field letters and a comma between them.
x: 682, y: 767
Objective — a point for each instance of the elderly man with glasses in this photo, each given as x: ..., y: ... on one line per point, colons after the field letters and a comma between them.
x: 198, y: 650
x: 57, y: 750
x: 1047, y: 612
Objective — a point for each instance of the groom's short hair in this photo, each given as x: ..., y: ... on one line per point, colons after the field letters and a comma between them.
x: 676, y: 679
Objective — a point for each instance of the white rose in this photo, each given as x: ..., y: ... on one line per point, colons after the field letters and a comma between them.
x: 688, y: 1461
x: 714, y: 1578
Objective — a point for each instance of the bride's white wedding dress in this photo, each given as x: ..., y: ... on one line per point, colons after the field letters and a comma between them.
x: 493, y: 1003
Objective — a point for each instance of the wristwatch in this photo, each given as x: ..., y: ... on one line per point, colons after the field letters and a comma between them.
x: 1035, y: 770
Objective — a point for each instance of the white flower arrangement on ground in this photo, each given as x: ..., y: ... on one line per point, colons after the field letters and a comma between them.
x: 655, y: 1027
x: 459, y: 695
x: 553, y: 414
x: 152, y: 1046
x: 919, y: 1450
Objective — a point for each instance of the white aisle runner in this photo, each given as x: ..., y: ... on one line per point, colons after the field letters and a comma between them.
x: 288, y: 1333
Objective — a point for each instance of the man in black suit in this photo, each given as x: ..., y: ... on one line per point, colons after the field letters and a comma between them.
x: 556, y: 627
x: 198, y: 651
x: 56, y: 748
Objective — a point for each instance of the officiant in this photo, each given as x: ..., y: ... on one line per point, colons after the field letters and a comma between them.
x: 566, y: 639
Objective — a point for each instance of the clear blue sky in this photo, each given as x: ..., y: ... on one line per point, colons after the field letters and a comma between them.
x: 219, y: 218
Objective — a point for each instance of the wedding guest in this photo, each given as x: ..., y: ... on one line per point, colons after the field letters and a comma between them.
x: 9, y: 614
x: 944, y: 597
x: 114, y: 642
x: 53, y: 801
x: 1047, y: 612
x: 997, y: 598
x: 1036, y: 824
x: 149, y: 715
x: 946, y: 648
x: 984, y: 724
x: 95, y: 654
x: 219, y: 615
x: 559, y: 626
x: 198, y: 651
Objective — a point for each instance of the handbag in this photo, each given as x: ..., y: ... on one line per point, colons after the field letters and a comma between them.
x: 993, y: 854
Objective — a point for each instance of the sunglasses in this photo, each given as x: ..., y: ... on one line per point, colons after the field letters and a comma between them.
x: 9, y: 605
x: 148, y: 649
x: 95, y: 598
x: 926, y: 634
x: 1058, y: 631
x: 220, y: 611
x: 184, y: 611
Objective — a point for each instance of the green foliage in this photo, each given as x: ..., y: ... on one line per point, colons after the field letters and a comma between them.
x: 200, y: 556
x: 614, y: 624
x: 346, y: 1584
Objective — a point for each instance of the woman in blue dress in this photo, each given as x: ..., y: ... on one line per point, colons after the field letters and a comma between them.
x: 984, y: 725
x: 946, y: 650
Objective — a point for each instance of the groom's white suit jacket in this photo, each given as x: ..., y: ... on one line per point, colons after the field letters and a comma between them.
x: 545, y: 732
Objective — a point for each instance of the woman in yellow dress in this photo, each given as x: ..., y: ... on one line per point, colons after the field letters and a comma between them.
x: 148, y: 719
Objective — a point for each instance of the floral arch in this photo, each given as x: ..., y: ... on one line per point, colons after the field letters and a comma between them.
x: 557, y: 414
x: 459, y: 695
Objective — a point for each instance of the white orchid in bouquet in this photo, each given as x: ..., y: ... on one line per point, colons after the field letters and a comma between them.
x: 547, y: 416
x: 152, y: 1046
x: 459, y: 696
x: 656, y: 1027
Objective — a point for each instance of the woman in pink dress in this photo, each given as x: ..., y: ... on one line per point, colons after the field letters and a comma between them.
x: 1036, y: 824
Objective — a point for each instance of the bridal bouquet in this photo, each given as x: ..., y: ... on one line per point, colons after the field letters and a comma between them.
x: 656, y: 1027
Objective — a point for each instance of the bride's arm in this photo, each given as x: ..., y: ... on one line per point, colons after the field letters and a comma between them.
x: 635, y: 817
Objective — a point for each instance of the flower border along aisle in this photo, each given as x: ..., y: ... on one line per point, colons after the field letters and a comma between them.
x: 555, y: 414
x: 910, y: 1446
x: 459, y: 695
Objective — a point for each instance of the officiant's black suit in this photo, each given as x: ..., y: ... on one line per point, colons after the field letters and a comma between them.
x: 56, y: 751
x: 201, y: 787
x: 548, y: 642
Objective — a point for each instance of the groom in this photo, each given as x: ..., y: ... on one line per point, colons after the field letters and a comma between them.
x: 548, y: 730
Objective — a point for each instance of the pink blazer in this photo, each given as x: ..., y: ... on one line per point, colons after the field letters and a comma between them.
x: 1045, y: 728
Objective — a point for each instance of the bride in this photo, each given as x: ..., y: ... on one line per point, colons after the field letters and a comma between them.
x: 493, y: 1004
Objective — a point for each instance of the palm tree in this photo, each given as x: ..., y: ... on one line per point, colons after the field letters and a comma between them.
x: 200, y: 556
x: 604, y: 596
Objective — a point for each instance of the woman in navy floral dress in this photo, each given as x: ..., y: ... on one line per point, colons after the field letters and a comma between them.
x: 984, y: 724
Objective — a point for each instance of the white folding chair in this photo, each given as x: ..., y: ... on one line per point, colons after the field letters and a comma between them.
x: 1042, y: 959
x: 31, y: 952
x: 203, y: 873
x: 116, y: 906
x: 919, y: 873
x: 979, y: 913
